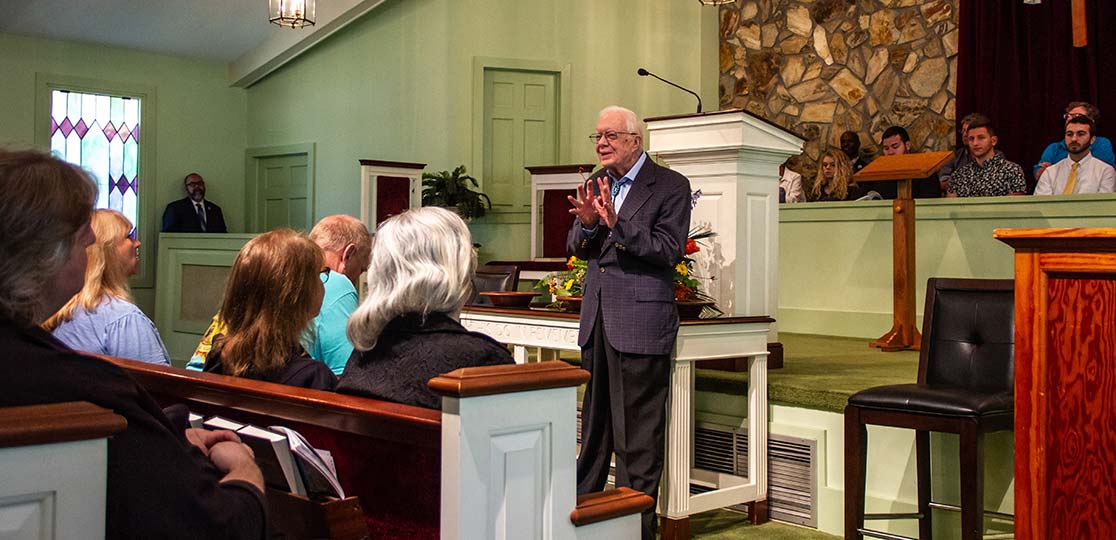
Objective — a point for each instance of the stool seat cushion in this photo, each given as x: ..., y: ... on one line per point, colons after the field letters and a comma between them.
x: 936, y: 400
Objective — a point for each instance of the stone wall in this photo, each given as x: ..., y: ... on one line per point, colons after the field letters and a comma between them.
x: 820, y: 67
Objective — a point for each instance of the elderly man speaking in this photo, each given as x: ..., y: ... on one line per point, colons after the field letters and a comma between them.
x: 631, y: 226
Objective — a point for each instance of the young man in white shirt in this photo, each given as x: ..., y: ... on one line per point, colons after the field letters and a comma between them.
x: 1079, y: 172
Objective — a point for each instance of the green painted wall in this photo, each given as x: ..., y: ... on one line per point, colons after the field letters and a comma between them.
x: 399, y: 84
x: 200, y: 120
x: 835, y: 258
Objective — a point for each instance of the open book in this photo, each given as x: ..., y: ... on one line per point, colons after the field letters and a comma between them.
x: 287, y: 460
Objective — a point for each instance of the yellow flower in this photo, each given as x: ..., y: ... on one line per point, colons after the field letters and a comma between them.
x: 681, y: 269
x: 568, y: 284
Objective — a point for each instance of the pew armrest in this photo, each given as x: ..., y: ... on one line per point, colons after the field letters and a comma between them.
x: 608, y: 504
x: 57, y: 422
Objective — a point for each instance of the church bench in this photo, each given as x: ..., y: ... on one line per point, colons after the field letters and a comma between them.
x: 387, y: 454
x: 414, y: 468
x: 54, y: 469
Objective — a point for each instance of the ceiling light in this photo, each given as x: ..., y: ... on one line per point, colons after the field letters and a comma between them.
x: 292, y: 13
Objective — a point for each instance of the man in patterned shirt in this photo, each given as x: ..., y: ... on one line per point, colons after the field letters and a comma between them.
x: 989, y: 174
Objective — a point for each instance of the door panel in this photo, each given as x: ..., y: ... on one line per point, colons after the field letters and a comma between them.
x: 283, y: 199
x: 521, y: 129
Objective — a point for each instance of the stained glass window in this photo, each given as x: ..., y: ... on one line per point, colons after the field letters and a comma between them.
x: 101, y: 134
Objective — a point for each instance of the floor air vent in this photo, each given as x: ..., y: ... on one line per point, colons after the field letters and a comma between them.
x: 792, y: 476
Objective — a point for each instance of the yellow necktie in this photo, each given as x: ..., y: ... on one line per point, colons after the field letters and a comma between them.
x: 1072, y: 181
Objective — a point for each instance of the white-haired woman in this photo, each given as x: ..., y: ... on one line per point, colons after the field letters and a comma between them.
x: 406, y: 331
x: 101, y: 318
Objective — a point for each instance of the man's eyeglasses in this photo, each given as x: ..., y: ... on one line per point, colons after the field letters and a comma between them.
x: 325, y: 274
x: 1067, y: 117
x: 611, y: 136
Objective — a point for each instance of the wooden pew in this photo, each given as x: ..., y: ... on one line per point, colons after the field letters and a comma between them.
x: 387, y: 454
x: 53, y: 469
x: 404, y: 463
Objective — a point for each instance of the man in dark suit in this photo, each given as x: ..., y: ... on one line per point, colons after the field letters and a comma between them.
x: 193, y: 213
x: 632, y: 220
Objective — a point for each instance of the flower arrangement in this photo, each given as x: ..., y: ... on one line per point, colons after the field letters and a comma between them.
x: 567, y: 283
x: 686, y: 286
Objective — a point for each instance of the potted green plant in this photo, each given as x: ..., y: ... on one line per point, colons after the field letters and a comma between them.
x: 450, y: 189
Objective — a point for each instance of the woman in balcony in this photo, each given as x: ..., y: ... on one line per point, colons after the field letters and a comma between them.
x: 834, y: 179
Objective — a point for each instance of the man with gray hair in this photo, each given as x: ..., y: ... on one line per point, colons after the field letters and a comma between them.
x: 347, y: 247
x: 632, y: 217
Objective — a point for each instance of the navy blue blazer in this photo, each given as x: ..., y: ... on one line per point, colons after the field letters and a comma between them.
x: 181, y: 217
x: 631, y: 267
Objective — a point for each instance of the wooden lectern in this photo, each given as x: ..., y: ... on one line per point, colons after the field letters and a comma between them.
x: 904, y: 168
x: 1065, y: 382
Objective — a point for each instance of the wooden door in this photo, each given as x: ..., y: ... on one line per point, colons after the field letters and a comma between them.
x: 283, y: 194
x: 520, y: 130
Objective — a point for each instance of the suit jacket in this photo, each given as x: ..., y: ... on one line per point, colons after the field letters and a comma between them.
x: 181, y: 217
x: 631, y: 267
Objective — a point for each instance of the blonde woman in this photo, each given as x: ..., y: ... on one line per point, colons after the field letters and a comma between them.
x: 273, y: 292
x: 102, y: 318
x: 407, y: 331
x: 834, y: 179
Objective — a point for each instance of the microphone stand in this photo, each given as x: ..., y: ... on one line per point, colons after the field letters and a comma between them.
x: 643, y: 73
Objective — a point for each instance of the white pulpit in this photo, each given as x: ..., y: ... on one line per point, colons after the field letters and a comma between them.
x: 733, y: 157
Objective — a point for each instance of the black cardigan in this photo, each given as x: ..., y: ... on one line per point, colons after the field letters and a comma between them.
x: 410, y: 352
x: 300, y: 370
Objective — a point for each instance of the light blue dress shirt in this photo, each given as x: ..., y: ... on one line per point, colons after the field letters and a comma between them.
x: 115, y: 328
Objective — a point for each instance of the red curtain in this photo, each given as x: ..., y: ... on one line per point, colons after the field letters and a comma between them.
x: 1016, y: 63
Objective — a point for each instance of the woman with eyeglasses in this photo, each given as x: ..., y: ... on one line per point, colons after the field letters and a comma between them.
x: 273, y: 292
x: 102, y: 318
x: 834, y: 179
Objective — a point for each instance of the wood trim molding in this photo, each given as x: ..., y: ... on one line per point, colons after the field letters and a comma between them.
x: 397, y: 164
x: 57, y: 422
x: 490, y: 380
x: 586, y: 168
x: 349, y: 414
x: 609, y: 504
x: 1058, y: 239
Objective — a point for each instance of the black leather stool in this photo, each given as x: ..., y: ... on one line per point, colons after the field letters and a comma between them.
x: 965, y: 386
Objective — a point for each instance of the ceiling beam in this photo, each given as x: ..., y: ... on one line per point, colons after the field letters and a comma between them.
x: 285, y: 44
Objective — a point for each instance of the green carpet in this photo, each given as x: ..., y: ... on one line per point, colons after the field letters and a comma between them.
x: 726, y: 525
x: 820, y: 372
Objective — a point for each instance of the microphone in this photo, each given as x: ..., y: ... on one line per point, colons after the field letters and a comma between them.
x: 643, y: 73
x: 871, y: 196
